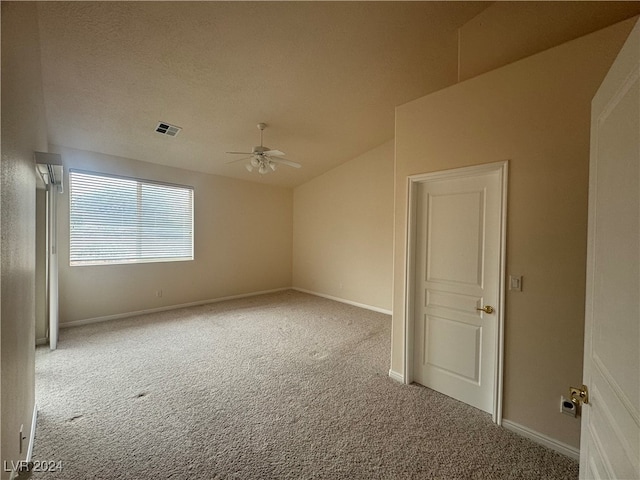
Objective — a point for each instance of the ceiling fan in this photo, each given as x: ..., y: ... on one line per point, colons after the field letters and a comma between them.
x: 263, y: 158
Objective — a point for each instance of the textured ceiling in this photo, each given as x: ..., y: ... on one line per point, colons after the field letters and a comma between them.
x: 325, y: 77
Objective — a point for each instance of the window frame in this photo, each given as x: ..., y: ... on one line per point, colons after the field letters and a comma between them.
x: 138, y: 258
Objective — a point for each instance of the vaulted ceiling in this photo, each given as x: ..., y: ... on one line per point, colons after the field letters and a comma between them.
x: 324, y: 76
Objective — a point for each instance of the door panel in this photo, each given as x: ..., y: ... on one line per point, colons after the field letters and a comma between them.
x: 455, y: 234
x: 461, y: 361
x: 610, y: 438
x: 457, y: 254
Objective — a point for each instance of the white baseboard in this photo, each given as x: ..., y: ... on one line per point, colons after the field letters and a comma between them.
x: 42, y: 341
x: 563, y: 448
x: 32, y: 438
x: 398, y: 377
x: 32, y: 435
x: 117, y: 316
x: 343, y: 300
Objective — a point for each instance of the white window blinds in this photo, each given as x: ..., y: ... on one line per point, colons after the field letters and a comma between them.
x: 127, y: 220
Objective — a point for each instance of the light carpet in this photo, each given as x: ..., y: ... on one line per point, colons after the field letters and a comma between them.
x: 278, y: 386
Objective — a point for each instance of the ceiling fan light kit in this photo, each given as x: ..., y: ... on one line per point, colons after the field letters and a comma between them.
x: 263, y: 158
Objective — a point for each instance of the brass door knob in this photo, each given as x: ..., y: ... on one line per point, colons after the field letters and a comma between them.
x: 486, y: 309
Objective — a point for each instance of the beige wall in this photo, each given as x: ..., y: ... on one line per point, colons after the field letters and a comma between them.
x: 343, y: 231
x: 243, y: 243
x: 534, y: 113
x: 23, y: 132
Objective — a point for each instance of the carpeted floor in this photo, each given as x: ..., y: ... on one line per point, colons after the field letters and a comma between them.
x: 279, y: 386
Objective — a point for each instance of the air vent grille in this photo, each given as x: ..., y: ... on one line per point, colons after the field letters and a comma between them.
x: 167, y: 129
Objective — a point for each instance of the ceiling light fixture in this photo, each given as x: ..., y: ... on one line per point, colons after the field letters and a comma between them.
x: 263, y: 158
x: 262, y: 164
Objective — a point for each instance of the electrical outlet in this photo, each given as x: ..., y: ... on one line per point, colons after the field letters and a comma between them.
x: 158, y: 293
x: 568, y: 407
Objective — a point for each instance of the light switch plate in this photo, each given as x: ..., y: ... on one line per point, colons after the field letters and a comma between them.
x: 515, y: 283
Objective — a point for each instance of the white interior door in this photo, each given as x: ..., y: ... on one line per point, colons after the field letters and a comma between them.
x: 610, y: 438
x: 458, y: 227
x: 49, y: 167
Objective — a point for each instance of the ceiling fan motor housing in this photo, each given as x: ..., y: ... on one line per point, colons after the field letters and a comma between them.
x: 261, y: 157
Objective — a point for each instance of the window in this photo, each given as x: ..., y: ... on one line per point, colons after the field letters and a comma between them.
x: 127, y: 220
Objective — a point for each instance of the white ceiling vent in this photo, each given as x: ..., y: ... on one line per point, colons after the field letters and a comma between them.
x: 167, y: 129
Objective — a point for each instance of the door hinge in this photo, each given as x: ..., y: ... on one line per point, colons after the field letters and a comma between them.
x: 579, y: 395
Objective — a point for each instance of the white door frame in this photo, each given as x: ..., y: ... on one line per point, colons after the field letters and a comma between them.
x: 413, y: 180
x: 52, y: 264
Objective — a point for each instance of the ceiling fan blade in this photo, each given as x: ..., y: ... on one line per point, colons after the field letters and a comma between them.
x: 274, y: 153
x: 285, y: 162
x: 240, y: 153
x: 237, y: 160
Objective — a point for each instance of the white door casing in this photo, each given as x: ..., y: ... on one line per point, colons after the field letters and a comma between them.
x: 610, y: 436
x: 52, y: 270
x: 455, y: 267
